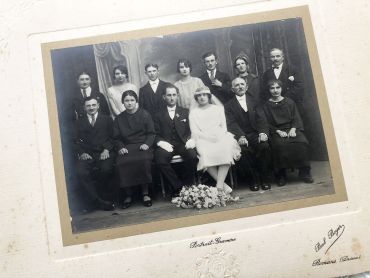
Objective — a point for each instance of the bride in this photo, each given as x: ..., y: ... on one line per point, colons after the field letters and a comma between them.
x: 216, y: 147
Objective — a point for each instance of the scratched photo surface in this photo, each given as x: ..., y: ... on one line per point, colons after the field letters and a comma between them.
x: 253, y: 41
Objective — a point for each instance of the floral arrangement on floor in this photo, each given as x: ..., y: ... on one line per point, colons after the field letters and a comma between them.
x: 202, y: 196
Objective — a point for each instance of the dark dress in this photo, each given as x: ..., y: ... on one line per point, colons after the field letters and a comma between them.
x: 288, y: 152
x: 130, y: 131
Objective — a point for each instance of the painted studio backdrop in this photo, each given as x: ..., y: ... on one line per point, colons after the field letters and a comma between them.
x: 254, y: 40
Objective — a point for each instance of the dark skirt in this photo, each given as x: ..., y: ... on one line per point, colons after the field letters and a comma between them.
x: 290, y: 152
x: 134, y: 168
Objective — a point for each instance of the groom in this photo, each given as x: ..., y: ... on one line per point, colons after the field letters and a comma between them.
x: 172, y: 138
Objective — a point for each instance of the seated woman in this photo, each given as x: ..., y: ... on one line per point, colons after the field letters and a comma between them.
x: 120, y: 85
x: 187, y: 84
x: 133, y: 132
x: 216, y: 147
x: 288, y: 142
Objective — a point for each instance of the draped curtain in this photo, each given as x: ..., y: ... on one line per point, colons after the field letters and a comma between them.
x: 253, y: 40
x: 110, y: 55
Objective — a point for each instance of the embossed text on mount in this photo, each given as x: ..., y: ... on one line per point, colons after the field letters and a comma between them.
x: 332, y: 237
x: 217, y: 240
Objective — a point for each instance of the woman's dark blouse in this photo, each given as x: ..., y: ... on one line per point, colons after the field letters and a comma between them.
x: 282, y: 115
x: 136, y: 128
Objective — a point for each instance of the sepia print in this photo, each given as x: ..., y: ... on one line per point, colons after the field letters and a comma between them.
x: 275, y: 153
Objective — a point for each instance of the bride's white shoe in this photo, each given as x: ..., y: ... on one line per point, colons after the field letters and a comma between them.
x: 227, y: 189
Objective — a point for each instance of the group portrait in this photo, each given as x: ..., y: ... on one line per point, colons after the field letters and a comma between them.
x: 167, y: 126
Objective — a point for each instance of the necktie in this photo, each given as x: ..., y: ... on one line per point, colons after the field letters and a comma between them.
x: 84, y: 93
x: 212, y: 74
x: 93, y: 119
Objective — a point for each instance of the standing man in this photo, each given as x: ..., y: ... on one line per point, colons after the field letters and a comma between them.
x: 84, y: 91
x: 250, y: 131
x: 94, y: 147
x: 218, y: 82
x: 288, y: 75
x: 173, y: 137
x: 151, y: 95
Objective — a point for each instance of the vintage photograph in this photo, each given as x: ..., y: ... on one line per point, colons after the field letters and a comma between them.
x: 184, y: 125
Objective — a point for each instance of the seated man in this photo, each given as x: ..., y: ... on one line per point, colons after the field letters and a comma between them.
x: 94, y: 145
x: 251, y: 133
x: 173, y: 137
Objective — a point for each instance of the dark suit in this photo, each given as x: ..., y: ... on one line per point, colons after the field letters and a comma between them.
x: 222, y: 93
x: 254, y: 86
x: 93, y: 140
x: 177, y: 133
x: 256, y: 157
x: 151, y: 101
x: 292, y: 89
x: 79, y: 102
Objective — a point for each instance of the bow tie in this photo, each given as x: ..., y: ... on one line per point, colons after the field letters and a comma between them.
x: 275, y: 67
x: 171, y: 109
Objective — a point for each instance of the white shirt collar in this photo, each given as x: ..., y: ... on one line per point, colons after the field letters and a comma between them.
x: 171, y: 108
x: 210, y: 71
x: 155, y: 82
x: 171, y: 111
x: 240, y: 97
x: 277, y: 70
x: 90, y: 116
x: 88, y: 91
x: 243, y: 102
x: 279, y: 66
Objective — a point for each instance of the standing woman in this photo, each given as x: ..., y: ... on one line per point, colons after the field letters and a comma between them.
x: 133, y: 132
x: 187, y: 84
x: 120, y: 85
x: 216, y: 147
x: 288, y: 142
x: 242, y: 69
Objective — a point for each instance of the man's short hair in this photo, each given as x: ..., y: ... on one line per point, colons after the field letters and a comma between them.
x: 91, y: 98
x: 170, y: 86
x: 81, y: 73
x: 186, y: 63
x: 275, y: 48
x: 122, y: 69
x: 151, y: 65
x: 209, y: 53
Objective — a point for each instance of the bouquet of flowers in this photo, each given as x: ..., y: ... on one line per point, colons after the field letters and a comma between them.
x: 202, y: 196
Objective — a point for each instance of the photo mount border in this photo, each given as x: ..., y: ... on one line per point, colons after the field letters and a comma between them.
x: 302, y: 12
